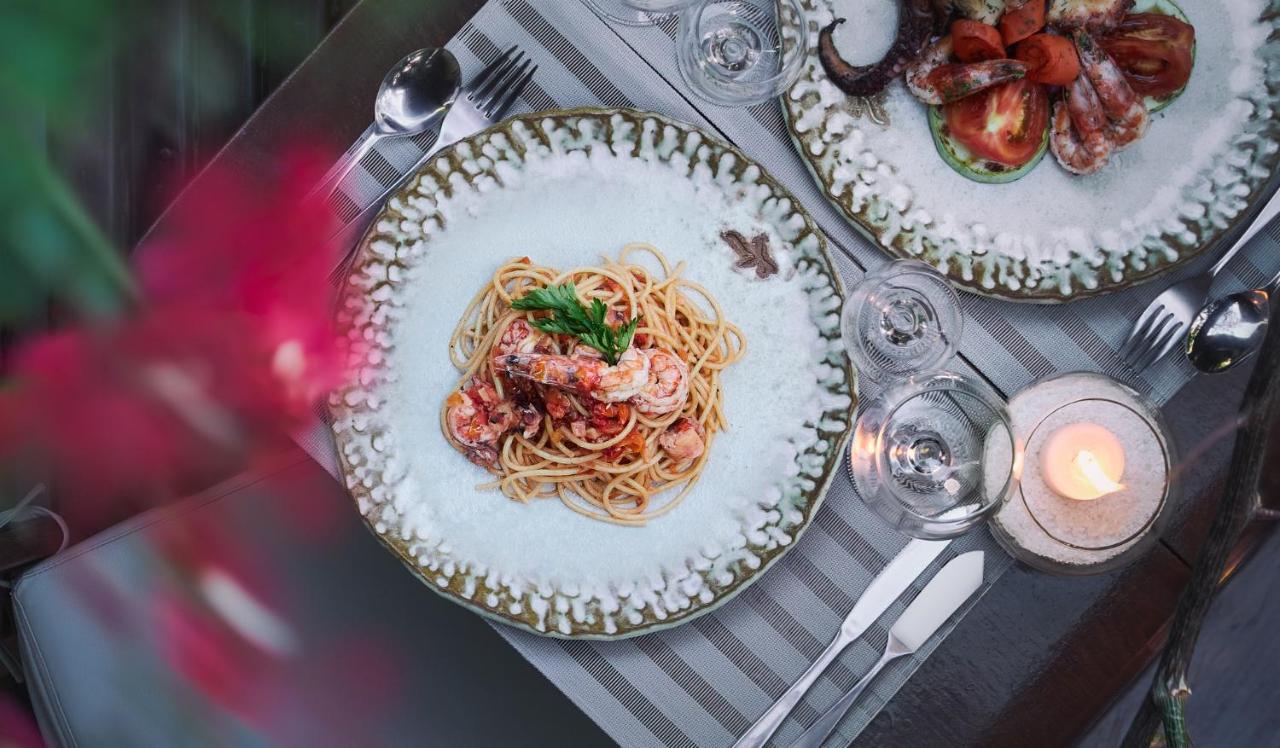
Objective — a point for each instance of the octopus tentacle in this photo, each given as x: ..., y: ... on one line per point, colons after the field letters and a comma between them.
x: 915, y: 24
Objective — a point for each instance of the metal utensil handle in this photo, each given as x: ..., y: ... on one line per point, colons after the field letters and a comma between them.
x: 342, y: 166
x: 1267, y: 213
x: 769, y: 722
x: 352, y: 161
x: 826, y: 724
x: 376, y: 203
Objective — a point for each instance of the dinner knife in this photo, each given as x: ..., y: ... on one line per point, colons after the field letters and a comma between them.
x: 936, y: 603
x: 891, y: 582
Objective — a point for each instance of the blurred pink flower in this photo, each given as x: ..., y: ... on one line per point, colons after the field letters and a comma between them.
x: 259, y: 254
x: 213, y: 659
x: 233, y: 341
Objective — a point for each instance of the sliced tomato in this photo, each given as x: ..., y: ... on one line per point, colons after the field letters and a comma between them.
x: 1005, y: 124
x: 1154, y: 50
x: 1019, y: 23
x: 1050, y: 59
x: 974, y: 41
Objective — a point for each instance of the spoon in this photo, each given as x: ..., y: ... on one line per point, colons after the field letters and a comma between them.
x: 414, y: 97
x: 1228, y: 330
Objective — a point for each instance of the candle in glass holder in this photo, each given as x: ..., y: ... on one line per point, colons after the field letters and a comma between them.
x: 1095, y: 481
x: 1082, y: 461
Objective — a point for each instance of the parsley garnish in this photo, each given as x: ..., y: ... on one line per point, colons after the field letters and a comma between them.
x: 570, y: 317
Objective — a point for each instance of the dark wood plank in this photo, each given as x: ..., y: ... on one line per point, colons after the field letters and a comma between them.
x: 331, y: 95
x: 1234, y: 678
x: 1202, y: 417
x: 1036, y: 660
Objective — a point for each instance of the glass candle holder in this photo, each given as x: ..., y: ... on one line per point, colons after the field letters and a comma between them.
x: 1072, y: 532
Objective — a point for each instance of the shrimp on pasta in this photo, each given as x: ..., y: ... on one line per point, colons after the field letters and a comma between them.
x: 550, y: 417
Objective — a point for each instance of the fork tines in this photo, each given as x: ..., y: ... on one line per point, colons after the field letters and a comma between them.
x: 502, y: 80
x: 520, y: 78
x: 1154, y: 335
x: 492, y: 71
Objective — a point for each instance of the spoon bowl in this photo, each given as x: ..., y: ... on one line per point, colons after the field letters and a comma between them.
x: 1228, y: 330
x: 417, y: 92
x: 414, y: 97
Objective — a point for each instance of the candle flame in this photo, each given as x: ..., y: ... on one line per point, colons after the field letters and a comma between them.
x: 1093, y: 473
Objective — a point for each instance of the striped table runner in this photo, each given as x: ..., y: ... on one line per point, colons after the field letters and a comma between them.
x: 702, y: 684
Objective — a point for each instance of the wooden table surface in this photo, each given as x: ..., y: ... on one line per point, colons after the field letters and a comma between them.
x: 1034, y: 663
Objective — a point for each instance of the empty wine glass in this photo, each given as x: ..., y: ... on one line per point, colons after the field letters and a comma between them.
x: 934, y: 454
x: 900, y: 319
x: 638, y: 12
x: 741, y: 52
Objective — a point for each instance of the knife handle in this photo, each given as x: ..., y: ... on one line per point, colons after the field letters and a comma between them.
x: 830, y: 719
x: 774, y: 716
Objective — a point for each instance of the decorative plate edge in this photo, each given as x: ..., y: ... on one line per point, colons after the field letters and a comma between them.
x: 835, y: 451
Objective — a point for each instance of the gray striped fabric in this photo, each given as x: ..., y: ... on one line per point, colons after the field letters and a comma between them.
x: 703, y: 683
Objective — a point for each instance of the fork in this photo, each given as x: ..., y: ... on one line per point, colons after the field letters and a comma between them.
x: 480, y: 104
x: 1167, y: 318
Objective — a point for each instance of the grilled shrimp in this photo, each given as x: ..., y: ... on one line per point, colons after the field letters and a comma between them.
x: 668, y: 386
x: 1079, y: 138
x: 1124, y: 107
x: 477, y: 417
x: 521, y: 337
x: 934, y: 80
x: 683, y: 440
x: 1094, y: 15
x: 591, y: 376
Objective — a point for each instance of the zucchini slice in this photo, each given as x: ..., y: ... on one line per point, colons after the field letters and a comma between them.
x: 967, y: 165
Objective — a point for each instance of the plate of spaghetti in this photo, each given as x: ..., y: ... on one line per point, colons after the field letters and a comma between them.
x: 600, y: 381
x: 620, y: 435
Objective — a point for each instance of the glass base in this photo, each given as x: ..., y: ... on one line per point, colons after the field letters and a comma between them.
x: 902, y: 318
x: 933, y: 455
x: 619, y: 11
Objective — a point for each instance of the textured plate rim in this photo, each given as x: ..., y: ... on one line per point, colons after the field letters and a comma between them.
x: 1257, y: 197
x: 836, y: 445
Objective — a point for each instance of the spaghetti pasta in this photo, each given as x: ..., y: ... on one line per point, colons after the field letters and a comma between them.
x: 624, y: 461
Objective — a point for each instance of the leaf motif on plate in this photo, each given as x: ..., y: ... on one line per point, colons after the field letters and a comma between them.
x: 872, y: 108
x: 753, y: 253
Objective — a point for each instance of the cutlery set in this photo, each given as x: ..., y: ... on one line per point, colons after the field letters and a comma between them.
x: 943, y: 596
x: 1216, y: 333
x: 422, y: 93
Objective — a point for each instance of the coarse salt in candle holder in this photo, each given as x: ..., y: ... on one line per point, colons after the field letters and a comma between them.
x: 1063, y: 535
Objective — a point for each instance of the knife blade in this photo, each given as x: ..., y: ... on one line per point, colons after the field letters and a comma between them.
x: 888, y: 585
x: 936, y: 603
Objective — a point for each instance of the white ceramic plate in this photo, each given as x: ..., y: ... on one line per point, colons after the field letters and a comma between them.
x: 564, y: 188
x: 1050, y: 236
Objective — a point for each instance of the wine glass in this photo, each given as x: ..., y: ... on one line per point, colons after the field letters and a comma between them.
x: 638, y: 12
x: 934, y: 454
x: 900, y: 319
x: 741, y: 52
